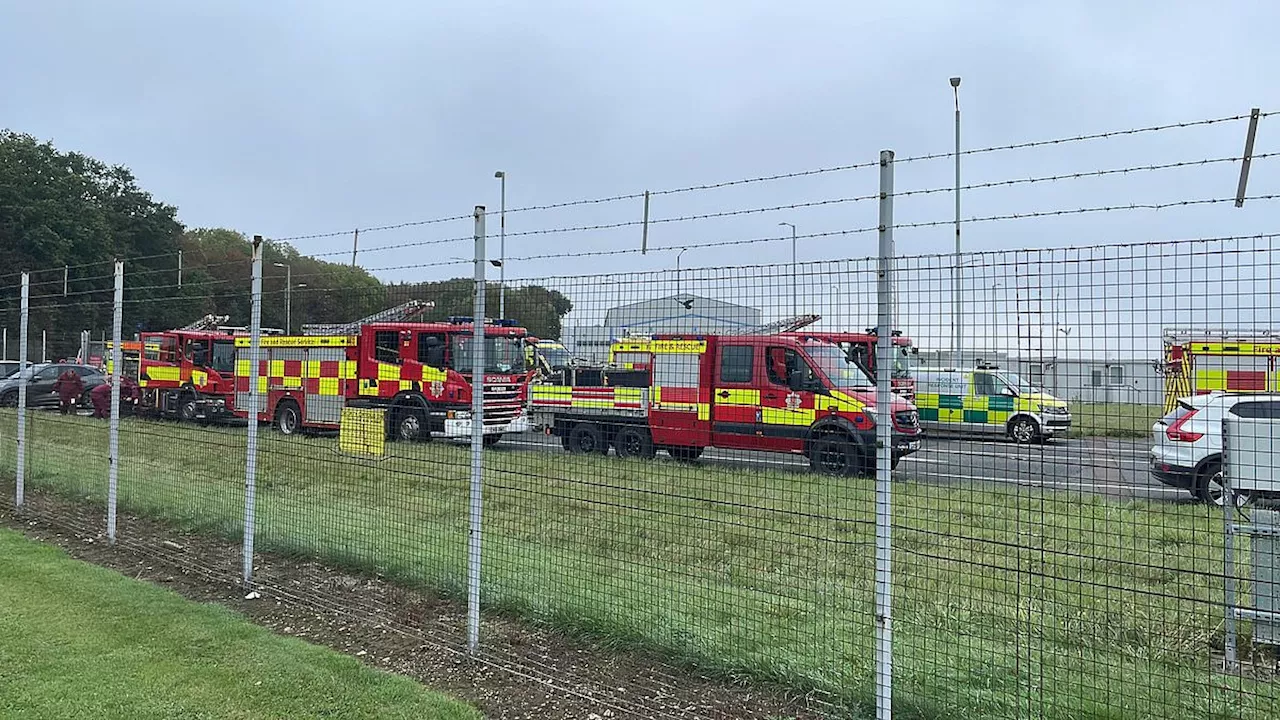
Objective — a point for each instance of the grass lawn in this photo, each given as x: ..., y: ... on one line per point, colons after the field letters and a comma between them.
x: 1008, y: 602
x: 80, y: 641
x: 1113, y: 420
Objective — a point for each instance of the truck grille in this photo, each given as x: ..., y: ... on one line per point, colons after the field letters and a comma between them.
x: 906, y: 420
x: 501, y: 404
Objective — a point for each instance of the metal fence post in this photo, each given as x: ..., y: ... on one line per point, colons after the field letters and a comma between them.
x: 21, y: 470
x: 884, y: 443
x: 255, y: 399
x: 117, y: 372
x: 477, y: 441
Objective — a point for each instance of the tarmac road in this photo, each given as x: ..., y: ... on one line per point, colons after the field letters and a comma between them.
x: 1105, y: 466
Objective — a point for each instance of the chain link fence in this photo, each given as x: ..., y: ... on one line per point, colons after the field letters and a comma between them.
x: 879, y: 483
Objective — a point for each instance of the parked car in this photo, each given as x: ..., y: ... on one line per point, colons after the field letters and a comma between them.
x: 7, y: 368
x: 40, y: 380
x: 1187, y: 450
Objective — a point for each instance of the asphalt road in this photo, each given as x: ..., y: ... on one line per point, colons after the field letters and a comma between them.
x: 1105, y: 466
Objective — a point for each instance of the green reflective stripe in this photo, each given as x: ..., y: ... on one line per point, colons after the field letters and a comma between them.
x: 951, y: 402
x: 929, y: 414
x: 1000, y: 402
x: 975, y: 416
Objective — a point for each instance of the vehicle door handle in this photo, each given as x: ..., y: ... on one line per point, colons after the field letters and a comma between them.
x: 723, y: 393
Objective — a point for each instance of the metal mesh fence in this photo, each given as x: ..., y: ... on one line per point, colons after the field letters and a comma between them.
x: 983, y: 484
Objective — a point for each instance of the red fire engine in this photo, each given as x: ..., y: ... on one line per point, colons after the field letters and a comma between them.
x: 187, y: 373
x: 1198, y: 362
x: 768, y: 391
x: 861, y: 348
x: 419, y: 372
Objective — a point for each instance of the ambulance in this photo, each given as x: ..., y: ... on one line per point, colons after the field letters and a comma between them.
x: 988, y: 401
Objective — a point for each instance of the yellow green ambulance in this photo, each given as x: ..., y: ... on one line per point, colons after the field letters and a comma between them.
x: 988, y: 400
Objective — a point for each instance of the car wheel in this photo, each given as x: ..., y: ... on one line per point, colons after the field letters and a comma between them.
x: 9, y: 399
x: 1024, y: 430
x: 585, y: 438
x: 287, y: 418
x: 1209, y: 487
x: 411, y: 425
x: 833, y: 454
x: 187, y: 409
x: 634, y: 442
x: 491, y: 440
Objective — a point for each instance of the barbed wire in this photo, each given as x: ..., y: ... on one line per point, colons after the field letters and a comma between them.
x: 1083, y: 211
x: 785, y: 176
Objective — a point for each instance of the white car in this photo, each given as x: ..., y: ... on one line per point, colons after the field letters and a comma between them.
x: 1188, y: 444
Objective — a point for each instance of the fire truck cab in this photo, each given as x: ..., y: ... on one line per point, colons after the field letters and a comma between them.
x: 187, y: 374
x: 861, y: 348
x: 777, y: 393
x: 421, y: 373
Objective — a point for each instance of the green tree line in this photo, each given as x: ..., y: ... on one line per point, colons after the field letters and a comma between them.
x: 66, y: 217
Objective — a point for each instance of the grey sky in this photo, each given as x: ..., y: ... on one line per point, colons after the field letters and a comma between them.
x: 289, y: 118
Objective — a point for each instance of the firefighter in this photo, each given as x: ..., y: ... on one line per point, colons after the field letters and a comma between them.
x: 128, y: 394
x: 100, y: 396
x: 69, y: 389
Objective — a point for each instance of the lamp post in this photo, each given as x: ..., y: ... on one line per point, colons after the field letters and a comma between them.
x: 957, y: 321
x: 794, y: 304
x: 502, y: 246
x: 288, y: 297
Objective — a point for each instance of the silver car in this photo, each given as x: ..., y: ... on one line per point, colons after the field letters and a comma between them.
x: 1187, y: 450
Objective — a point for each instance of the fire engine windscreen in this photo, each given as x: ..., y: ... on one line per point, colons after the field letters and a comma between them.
x: 501, y: 354
x: 835, y: 364
x: 556, y: 355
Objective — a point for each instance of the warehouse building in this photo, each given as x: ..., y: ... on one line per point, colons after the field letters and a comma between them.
x: 679, y: 313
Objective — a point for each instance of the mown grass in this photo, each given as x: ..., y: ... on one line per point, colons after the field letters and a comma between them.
x: 80, y: 641
x: 1007, y: 603
x: 1113, y: 420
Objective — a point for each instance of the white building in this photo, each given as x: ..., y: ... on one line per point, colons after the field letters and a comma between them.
x: 680, y: 313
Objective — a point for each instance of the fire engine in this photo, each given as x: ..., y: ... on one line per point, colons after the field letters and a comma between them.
x: 861, y: 348
x: 187, y: 373
x: 420, y: 373
x: 1198, y: 362
x: 759, y: 391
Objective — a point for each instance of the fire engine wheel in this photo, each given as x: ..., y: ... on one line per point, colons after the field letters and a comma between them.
x: 1024, y: 430
x: 287, y: 419
x: 834, y: 454
x: 187, y: 407
x: 633, y: 442
x: 411, y: 425
x: 684, y: 454
x: 586, y: 438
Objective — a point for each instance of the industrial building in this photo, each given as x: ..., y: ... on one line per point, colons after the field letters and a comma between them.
x: 679, y: 313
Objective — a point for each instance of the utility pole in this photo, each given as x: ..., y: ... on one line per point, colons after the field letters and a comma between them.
x: 957, y: 304
x: 502, y: 247
x: 794, y: 302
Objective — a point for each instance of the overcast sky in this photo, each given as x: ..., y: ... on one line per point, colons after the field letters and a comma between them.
x: 293, y: 118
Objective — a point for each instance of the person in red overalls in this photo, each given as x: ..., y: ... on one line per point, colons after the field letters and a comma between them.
x: 101, y: 399
x: 128, y: 394
x: 69, y: 389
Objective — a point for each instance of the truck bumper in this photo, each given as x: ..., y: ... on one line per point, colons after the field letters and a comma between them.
x: 456, y: 429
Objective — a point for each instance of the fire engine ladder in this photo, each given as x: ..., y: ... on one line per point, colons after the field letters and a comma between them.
x: 400, y: 313
x: 208, y: 322
x: 784, y: 325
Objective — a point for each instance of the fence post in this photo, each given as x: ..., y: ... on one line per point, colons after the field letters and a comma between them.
x: 21, y: 470
x: 477, y: 441
x: 117, y: 372
x: 884, y: 446
x: 255, y: 399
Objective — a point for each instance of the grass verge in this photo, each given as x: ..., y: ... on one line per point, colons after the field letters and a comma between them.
x: 1007, y: 602
x: 81, y: 641
x: 1113, y: 420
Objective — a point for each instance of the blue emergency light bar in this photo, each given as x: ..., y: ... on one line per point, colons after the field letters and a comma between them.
x: 459, y: 320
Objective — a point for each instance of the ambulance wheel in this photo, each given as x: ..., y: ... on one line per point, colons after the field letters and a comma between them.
x: 685, y: 454
x: 187, y: 407
x: 633, y: 442
x: 491, y: 440
x: 411, y: 425
x: 1024, y: 430
x: 287, y: 417
x: 586, y: 438
x: 834, y: 454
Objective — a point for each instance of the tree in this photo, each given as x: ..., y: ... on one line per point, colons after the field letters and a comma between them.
x: 534, y: 307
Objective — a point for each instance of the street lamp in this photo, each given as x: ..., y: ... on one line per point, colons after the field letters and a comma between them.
x: 957, y: 322
x: 288, y: 297
x: 794, y: 304
x: 502, y: 247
